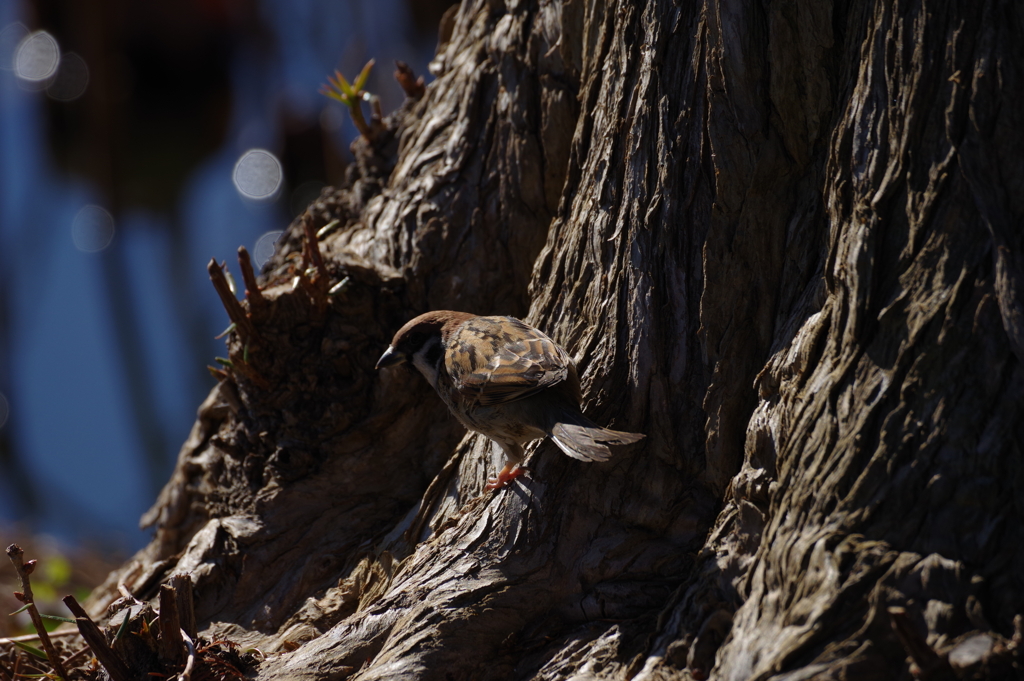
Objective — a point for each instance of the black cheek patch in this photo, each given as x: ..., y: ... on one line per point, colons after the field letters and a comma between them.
x: 433, y: 354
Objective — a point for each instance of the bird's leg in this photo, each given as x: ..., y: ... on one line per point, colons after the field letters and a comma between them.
x: 510, y: 472
x: 512, y: 469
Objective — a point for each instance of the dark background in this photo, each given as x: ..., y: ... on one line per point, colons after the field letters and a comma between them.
x: 116, y: 188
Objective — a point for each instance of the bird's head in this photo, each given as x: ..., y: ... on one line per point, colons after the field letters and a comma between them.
x: 421, y: 342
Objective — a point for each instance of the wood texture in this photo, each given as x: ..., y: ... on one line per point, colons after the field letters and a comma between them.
x: 783, y: 240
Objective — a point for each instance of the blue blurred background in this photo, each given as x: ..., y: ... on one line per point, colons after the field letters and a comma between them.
x: 137, y: 141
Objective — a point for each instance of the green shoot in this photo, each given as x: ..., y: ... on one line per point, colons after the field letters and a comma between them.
x: 351, y: 95
x: 226, y: 331
x: 58, y: 618
x: 31, y: 650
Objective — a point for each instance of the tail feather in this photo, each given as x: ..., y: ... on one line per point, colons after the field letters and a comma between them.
x: 587, y: 441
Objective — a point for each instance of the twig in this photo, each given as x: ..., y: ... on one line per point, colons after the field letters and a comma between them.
x: 80, y: 653
x: 187, y: 674
x: 228, y: 300
x: 243, y: 324
x: 315, y: 282
x: 252, y: 288
x: 360, y: 122
x: 90, y: 631
x: 377, y: 117
x: 313, y: 256
x: 412, y: 85
x: 24, y: 569
x: 33, y: 637
x: 125, y: 593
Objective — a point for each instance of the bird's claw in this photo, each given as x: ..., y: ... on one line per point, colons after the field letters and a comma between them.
x: 507, y: 475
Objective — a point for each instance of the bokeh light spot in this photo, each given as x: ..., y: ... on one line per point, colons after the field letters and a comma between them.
x: 265, y: 247
x: 92, y: 229
x: 37, y: 57
x: 258, y: 175
x: 5, y: 410
x: 71, y: 80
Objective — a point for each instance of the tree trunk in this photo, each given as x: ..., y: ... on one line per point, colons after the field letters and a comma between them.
x: 781, y: 239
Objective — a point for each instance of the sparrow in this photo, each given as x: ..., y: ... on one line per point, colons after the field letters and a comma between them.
x: 501, y: 377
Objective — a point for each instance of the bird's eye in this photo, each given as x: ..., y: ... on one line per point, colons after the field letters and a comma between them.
x: 417, y: 340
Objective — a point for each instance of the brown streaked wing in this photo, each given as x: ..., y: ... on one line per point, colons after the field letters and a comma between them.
x: 501, y: 359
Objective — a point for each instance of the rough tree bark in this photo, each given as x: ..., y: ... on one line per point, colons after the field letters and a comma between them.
x: 782, y: 239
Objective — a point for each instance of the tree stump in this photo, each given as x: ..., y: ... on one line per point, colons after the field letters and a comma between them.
x: 783, y: 240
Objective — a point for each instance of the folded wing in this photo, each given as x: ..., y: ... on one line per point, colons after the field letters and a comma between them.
x: 495, y: 360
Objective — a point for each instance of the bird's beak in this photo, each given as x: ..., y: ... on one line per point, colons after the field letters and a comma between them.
x: 390, y: 358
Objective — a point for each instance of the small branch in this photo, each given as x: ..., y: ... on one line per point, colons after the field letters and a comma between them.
x: 312, y: 251
x: 413, y: 86
x: 314, y: 282
x: 34, y: 637
x: 377, y: 117
x: 187, y: 674
x: 182, y: 585
x: 170, y: 627
x: 94, y: 637
x: 81, y: 653
x: 243, y: 324
x: 360, y: 122
x: 122, y: 589
x: 252, y: 288
x: 24, y: 569
x: 228, y: 300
